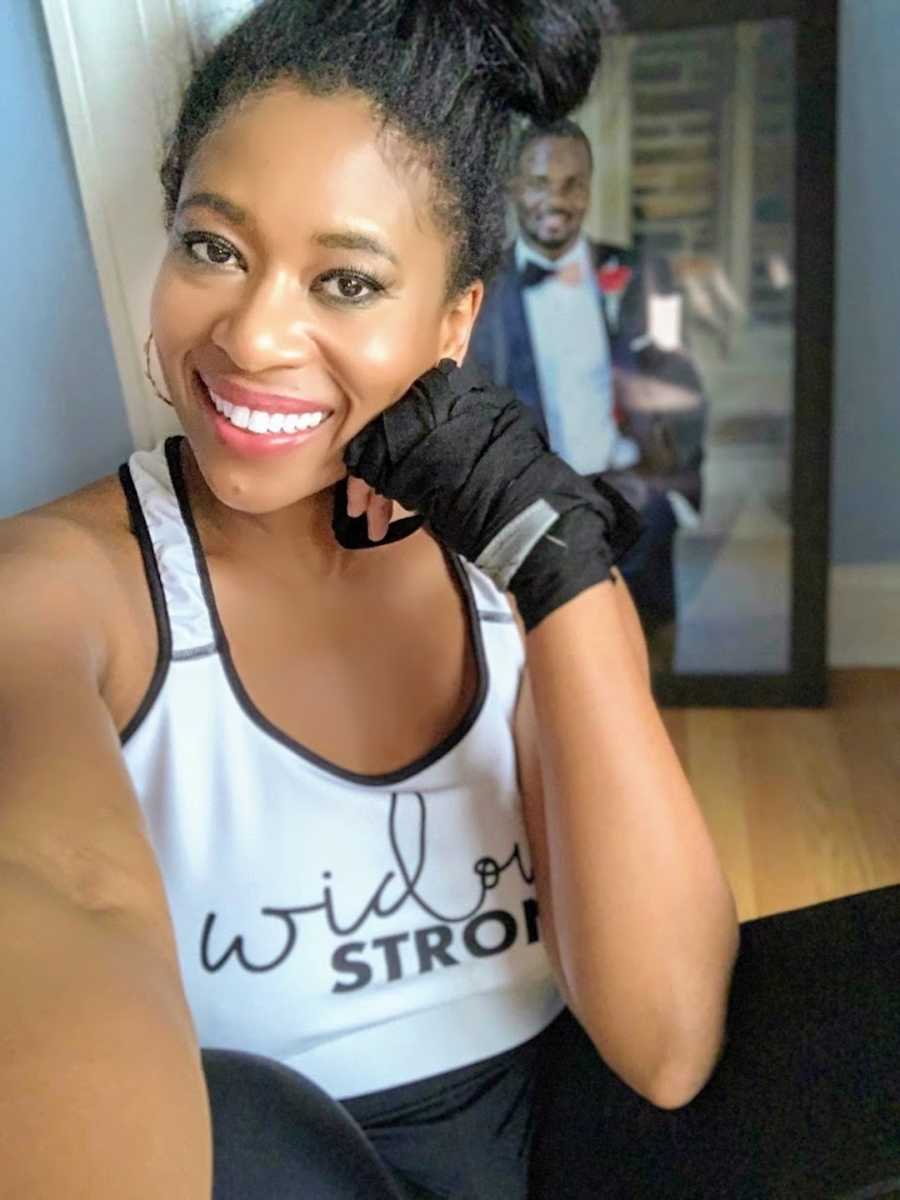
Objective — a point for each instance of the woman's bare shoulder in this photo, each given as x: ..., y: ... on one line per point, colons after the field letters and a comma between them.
x: 75, y: 563
x: 78, y: 550
x: 91, y: 522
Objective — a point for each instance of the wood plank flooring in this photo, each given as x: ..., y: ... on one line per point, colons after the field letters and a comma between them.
x: 802, y: 804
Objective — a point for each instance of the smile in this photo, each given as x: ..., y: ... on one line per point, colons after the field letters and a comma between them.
x: 256, y: 432
x: 256, y: 420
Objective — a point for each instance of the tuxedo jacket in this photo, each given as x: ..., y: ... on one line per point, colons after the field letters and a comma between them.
x: 671, y: 443
x: 502, y: 343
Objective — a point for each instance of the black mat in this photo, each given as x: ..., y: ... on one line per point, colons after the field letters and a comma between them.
x: 805, y: 1104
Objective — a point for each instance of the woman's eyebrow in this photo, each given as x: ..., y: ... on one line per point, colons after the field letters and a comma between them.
x: 339, y: 239
x: 229, y: 210
x: 351, y: 240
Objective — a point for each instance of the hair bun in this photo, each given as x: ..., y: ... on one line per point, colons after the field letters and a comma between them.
x: 539, y: 56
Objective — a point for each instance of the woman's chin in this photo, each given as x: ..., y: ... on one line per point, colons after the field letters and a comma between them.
x: 261, y: 487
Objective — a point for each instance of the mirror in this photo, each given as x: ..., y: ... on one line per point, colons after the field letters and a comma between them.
x: 687, y: 390
x: 703, y: 138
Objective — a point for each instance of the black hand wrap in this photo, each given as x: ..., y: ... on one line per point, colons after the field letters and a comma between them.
x: 470, y: 458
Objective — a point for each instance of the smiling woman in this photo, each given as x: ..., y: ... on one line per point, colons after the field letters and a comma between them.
x: 331, y: 304
x: 375, y: 822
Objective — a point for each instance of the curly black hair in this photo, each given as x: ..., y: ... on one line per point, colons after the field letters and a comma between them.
x: 450, y: 75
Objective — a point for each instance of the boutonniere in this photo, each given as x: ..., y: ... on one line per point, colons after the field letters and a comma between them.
x: 613, y: 278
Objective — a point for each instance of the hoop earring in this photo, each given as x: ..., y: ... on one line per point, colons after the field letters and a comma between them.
x: 149, y: 373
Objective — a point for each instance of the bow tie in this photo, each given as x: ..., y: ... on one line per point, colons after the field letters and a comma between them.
x: 533, y: 274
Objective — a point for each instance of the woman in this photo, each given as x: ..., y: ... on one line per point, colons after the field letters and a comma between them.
x: 367, y: 811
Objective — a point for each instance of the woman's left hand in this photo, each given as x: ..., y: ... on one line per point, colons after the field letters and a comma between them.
x: 470, y: 459
x: 378, y: 510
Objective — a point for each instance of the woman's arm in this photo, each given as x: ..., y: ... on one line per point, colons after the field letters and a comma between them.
x: 644, y: 919
x: 101, y: 1087
x: 634, y: 905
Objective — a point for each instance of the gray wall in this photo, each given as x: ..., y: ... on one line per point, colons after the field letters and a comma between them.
x: 63, y: 419
x: 866, y: 457
x: 64, y: 423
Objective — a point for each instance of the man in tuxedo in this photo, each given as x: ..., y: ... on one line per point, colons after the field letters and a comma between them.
x: 567, y: 324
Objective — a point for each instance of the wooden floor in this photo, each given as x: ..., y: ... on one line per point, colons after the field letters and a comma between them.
x: 803, y: 804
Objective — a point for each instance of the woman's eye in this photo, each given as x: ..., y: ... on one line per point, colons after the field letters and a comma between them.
x: 210, y: 251
x: 350, y: 286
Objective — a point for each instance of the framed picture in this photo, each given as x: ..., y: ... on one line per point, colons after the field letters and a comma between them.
x: 713, y: 136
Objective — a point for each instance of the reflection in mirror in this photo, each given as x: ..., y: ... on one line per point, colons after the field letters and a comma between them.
x: 691, y: 218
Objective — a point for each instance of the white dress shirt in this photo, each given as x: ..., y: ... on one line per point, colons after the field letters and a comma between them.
x: 573, y: 362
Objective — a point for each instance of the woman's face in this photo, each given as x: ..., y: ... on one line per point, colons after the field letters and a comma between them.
x: 304, y: 276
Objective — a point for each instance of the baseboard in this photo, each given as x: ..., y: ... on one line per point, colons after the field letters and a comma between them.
x: 864, y: 617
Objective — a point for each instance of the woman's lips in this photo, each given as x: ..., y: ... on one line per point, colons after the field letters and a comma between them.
x: 257, y: 441
x: 236, y: 393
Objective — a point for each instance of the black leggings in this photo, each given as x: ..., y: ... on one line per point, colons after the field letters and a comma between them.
x: 552, y: 1122
x: 463, y: 1134
x: 805, y: 1104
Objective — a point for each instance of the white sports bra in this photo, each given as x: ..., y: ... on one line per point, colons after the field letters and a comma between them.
x: 365, y: 930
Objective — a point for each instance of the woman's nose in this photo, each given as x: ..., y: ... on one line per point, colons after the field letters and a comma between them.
x: 271, y: 325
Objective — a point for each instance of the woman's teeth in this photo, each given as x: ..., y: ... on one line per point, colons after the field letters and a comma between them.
x: 256, y: 421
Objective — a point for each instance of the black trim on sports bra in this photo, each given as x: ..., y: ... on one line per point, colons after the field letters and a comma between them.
x: 158, y: 598
x: 458, y: 572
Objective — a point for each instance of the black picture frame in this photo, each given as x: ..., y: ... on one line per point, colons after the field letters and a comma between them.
x: 805, y: 683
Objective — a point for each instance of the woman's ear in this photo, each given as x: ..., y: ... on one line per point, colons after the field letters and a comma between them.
x: 459, y: 321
